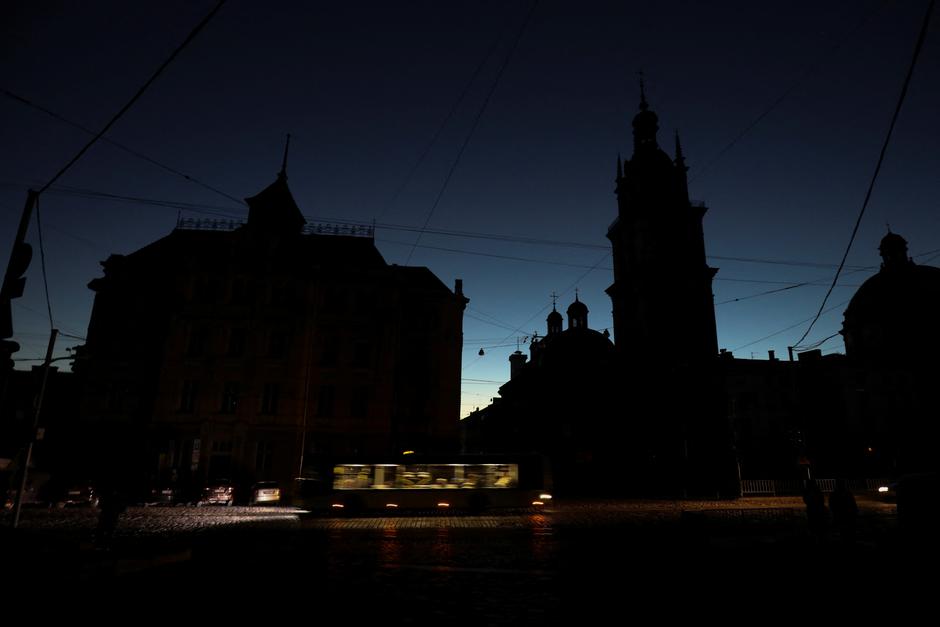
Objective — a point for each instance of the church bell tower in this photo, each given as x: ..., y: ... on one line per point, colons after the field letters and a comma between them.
x: 663, y: 306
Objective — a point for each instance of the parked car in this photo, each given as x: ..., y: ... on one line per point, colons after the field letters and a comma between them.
x: 265, y: 493
x: 81, y: 493
x: 218, y: 493
x: 166, y: 495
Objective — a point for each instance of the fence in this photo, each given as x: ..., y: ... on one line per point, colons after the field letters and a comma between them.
x: 783, y: 487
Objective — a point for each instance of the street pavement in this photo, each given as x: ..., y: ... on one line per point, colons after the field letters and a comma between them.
x: 573, y: 559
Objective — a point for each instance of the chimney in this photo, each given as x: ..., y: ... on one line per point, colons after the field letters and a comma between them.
x: 516, y: 361
x: 458, y: 287
x: 771, y: 355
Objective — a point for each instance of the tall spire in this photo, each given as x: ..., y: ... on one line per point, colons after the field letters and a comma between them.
x: 681, y: 169
x: 680, y: 158
x: 283, y: 172
x: 645, y: 124
x: 643, y: 105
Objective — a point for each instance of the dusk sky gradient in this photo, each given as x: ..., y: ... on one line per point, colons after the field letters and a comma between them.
x: 363, y: 87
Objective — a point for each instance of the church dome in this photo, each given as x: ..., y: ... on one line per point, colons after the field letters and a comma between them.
x: 554, y: 321
x: 577, y: 315
x: 892, y: 318
x: 577, y: 308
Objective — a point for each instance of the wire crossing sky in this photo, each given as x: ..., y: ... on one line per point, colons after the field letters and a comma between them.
x: 782, y: 111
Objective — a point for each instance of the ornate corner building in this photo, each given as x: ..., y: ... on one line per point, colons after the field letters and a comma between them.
x: 237, y: 351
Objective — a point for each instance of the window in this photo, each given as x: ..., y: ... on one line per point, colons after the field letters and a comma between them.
x: 330, y: 354
x: 283, y: 295
x: 264, y: 457
x: 325, y: 401
x: 362, y: 355
x: 277, y: 343
x: 237, y: 339
x: 229, y: 398
x: 188, y: 397
x: 206, y: 290
x: 239, y: 292
x: 198, y: 341
x: 334, y: 301
x: 359, y: 403
x: 269, y: 397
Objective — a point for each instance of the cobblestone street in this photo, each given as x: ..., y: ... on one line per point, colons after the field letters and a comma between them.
x: 507, y: 568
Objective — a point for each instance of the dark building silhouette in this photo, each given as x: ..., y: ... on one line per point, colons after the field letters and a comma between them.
x: 870, y: 413
x: 892, y: 339
x: 891, y: 321
x: 231, y: 351
x: 557, y: 403
x: 662, y: 290
x: 646, y: 416
x: 19, y: 392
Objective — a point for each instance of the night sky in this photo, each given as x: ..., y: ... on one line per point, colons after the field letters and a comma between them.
x: 364, y: 87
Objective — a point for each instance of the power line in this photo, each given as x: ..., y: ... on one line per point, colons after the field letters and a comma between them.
x: 42, y: 263
x: 792, y: 326
x: 473, y: 127
x: 136, y: 97
x: 776, y: 103
x: 225, y: 212
x: 139, y: 155
x: 790, y: 287
x: 881, y: 156
x: 443, y: 125
x: 35, y: 196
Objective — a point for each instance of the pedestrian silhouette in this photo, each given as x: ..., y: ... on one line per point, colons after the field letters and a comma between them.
x: 844, y: 510
x: 816, y: 513
x: 111, y: 505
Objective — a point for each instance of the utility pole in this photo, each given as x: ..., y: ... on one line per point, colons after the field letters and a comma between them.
x: 37, y: 407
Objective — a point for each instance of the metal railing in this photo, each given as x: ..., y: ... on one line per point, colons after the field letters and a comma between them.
x: 789, y: 487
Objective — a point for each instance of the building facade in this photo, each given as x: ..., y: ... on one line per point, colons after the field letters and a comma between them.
x: 239, y: 351
x: 645, y: 415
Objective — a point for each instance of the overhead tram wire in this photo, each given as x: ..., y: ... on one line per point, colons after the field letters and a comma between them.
x: 443, y: 125
x: 100, y: 134
x: 225, y: 212
x: 205, y: 209
x: 136, y: 96
x: 473, y: 127
x: 42, y: 264
x: 884, y: 148
x: 776, y: 103
x: 131, y: 151
x: 522, y: 326
x: 792, y: 326
x: 816, y: 281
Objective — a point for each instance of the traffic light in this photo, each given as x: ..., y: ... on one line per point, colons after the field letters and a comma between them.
x: 13, y: 284
x: 13, y: 281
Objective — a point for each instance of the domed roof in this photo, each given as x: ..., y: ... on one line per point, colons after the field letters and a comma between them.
x: 577, y: 308
x: 899, y: 290
x: 554, y: 316
x: 577, y: 348
x: 892, y: 241
x: 894, y: 314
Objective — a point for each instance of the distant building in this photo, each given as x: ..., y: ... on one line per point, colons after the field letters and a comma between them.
x: 19, y: 390
x: 563, y: 403
x: 645, y: 416
x: 238, y: 351
x: 869, y: 413
x: 662, y: 290
x: 892, y: 342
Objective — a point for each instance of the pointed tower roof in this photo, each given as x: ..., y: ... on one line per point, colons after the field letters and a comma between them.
x: 645, y: 125
x: 274, y: 208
